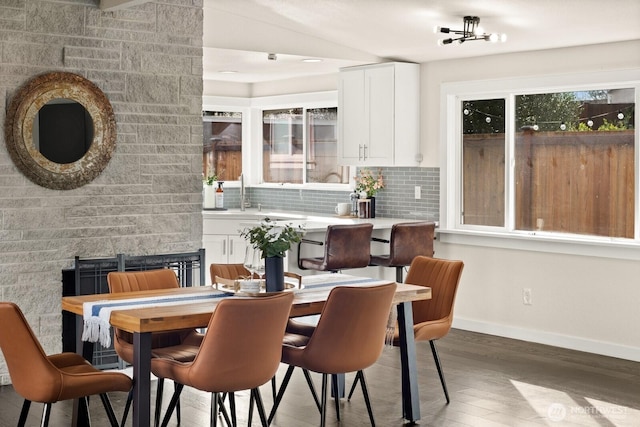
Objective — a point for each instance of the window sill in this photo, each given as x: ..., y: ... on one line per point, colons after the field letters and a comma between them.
x: 545, y: 242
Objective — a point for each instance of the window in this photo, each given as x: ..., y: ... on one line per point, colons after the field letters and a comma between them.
x: 300, y: 146
x: 222, y: 145
x: 532, y: 161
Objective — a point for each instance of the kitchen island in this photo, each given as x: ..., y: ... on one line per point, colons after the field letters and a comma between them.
x: 223, y: 244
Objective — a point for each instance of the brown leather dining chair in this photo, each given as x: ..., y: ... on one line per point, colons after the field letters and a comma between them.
x: 240, y: 351
x: 179, y: 345
x: 432, y: 318
x: 345, y: 246
x: 407, y: 241
x: 349, y: 337
x: 294, y: 328
x: 49, y: 379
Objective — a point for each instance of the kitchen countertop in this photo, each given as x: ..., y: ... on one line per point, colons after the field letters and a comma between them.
x: 310, y: 221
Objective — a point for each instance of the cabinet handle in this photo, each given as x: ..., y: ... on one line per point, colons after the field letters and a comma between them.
x: 364, y: 150
x: 224, y: 247
x: 359, y: 151
x: 230, y: 246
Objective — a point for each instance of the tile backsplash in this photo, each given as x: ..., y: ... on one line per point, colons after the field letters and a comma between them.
x: 396, y: 200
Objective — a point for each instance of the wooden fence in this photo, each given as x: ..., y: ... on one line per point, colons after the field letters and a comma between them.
x: 570, y: 182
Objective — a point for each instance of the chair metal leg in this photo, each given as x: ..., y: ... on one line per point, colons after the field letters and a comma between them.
x: 250, y: 418
x: 127, y: 407
x: 336, y: 394
x: 217, y: 400
x: 109, y: 410
x: 323, y: 404
x: 232, y: 408
x: 365, y: 393
x: 353, y: 386
x: 159, y: 390
x: 172, y: 404
x: 177, y: 407
x: 283, y: 387
x: 24, y: 413
x: 213, y: 417
x: 312, y: 387
x: 46, y: 412
x: 255, y: 394
x: 273, y: 387
x: 436, y: 358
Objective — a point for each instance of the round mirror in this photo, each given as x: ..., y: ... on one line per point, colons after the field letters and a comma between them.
x: 60, y: 130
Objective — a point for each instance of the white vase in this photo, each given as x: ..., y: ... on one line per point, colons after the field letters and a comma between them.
x: 209, y: 200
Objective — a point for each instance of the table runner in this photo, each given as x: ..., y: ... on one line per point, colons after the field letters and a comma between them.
x: 96, y: 314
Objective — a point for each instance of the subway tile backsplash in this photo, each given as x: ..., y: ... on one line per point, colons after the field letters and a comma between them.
x: 396, y: 200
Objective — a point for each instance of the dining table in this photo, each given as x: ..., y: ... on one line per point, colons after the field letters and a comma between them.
x: 142, y: 313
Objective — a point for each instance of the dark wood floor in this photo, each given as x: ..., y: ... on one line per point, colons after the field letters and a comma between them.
x: 492, y: 382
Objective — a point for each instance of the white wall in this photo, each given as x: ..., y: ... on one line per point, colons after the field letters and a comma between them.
x: 582, y: 302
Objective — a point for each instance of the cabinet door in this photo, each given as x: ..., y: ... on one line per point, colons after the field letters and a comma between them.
x: 352, y: 134
x: 216, y: 248
x: 379, y: 112
x: 237, y: 248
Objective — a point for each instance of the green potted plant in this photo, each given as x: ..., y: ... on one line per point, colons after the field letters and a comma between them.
x: 273, y: 241
x: 209, y: 199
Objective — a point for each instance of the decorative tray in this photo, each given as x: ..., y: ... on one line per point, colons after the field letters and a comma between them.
x: 236, y: 287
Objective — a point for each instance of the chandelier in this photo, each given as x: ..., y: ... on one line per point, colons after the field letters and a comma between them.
x: 470, y: 32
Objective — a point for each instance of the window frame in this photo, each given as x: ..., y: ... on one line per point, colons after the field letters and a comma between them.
x: 454, y: 231
x: 304, y: 101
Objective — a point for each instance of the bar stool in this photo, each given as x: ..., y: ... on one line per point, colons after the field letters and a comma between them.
x: 407, y: 241
x: 345, y: 246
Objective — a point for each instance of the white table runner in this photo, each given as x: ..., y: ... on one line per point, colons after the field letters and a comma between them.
x: 96, y: 314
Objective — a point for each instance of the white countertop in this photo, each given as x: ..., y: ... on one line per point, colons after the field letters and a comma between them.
x: 309, y: 221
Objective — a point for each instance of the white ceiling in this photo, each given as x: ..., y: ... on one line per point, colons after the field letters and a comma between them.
x: 238, y: 34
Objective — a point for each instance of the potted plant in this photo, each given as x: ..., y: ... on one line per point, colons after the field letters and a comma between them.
x: 273, y: 241
x: 209, y: 200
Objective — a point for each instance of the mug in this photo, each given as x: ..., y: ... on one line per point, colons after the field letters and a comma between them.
x: 343, y: 209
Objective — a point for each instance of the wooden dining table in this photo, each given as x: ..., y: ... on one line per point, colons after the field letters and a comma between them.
x: 143, y: 321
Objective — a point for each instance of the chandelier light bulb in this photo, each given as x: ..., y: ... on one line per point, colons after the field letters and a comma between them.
x: 620, y: 115
x: 487, y: 119
x: 563, y: 126
x: 466, y: 111
x: 590, y: 123
x: 536, y: 127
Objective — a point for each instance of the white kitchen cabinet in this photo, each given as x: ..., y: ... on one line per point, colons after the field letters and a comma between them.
x: 221, y: 247
x: 379, y: 115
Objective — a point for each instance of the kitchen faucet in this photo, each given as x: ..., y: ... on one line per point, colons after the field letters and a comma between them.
x: 243, y: 202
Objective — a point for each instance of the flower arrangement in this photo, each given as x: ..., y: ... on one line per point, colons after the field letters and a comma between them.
x: 367, y: 183
x: 271, y: 238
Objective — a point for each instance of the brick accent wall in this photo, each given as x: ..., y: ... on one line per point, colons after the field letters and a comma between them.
x: 148, y: 61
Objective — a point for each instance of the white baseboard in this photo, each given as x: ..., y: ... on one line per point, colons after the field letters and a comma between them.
x: 549, y: 338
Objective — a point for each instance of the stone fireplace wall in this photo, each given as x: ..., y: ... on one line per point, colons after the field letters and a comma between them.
x: 148, y: 61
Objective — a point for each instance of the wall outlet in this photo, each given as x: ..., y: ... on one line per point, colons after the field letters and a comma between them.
x: 527, y: 296
x: 418, y: 192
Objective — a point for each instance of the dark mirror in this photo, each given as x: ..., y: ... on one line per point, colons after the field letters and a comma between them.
x: 63, y: 131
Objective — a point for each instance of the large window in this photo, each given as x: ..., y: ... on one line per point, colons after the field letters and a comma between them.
x: 300, y: 146
x: 535, y: 162
x: 222, y: 145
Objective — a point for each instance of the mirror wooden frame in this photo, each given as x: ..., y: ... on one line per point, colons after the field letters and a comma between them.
x: 22, y: 112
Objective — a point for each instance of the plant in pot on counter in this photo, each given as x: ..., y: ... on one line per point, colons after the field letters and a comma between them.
x: 273, y: 240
